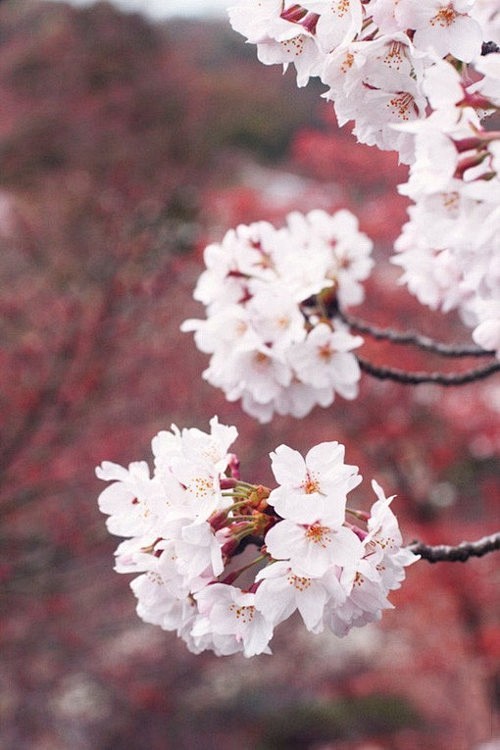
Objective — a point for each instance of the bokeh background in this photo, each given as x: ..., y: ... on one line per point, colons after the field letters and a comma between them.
x: 124, y: 148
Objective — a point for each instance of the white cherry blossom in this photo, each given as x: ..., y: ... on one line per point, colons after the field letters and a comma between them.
x: 130, y: 500
x: 311, y: 549
x: 489, y: 86
x: 281, y: 592
x: 253, y: 18
x: 312, y: 488
x: 324, y: 360
x: 292, y: 46
x: 339, y: 21
x: 298, y: 399
x: 232, y: 612
x: 378, y: 85
x: 442, y: 27
x: 283, y: 33
x: 343, y: 251
x: 188, y: 466
x: 193, y: 547
x: 364, y: 604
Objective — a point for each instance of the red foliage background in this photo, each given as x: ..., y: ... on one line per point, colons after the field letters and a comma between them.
x: 124, y: 148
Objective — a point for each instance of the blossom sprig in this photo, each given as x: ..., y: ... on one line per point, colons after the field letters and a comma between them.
x: 372, y: 54
x: 449, y: 247
x: 270, y: 297
x: 188, y: 523
x: 418, y: 78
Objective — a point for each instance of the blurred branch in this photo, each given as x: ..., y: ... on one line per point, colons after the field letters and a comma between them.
x: 414, y: 378
x: 416, y: 339
x: 45, y: 399
x: 48, y: 399
x: 460, y: 553
x: 26, y: 495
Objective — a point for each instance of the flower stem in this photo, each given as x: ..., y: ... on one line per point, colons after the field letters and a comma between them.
x: 236, y: 573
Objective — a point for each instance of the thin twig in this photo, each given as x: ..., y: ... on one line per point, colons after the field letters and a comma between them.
x: 459, y: 553
x: 415, y: 378
x: 415, y: 339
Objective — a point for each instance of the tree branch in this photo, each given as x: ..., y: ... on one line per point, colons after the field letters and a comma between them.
x: 414, y: 378
x: 437, y: 553
x: 488, y: 48
x: 460, y: 553
x: 416, y: 339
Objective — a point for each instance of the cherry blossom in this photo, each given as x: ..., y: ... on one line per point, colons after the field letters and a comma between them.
x: 281, y: 592
x: 229, y: 611
x: 339, y: 21
x: 311, y: 549
x: 378, y: 85
x: 379, y: 570
x: 312, y: 488
x: 442, y: 27
x: 372, y: 55
x: 322, y: 360
x: 489, y: 86
x: 283, y: 33
x: 335, y: 242
x: 129, y: 501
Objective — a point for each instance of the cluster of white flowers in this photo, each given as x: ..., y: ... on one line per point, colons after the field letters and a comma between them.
x: 372, y: 54
x: 188, y: 523
x: 397, y: 70
x: 449, y: 249
x: 270, y: 296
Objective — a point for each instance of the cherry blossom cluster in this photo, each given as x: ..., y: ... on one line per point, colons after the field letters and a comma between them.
x: 449, y: 249
x: 372, y: 54
x: 191, y: 525
x: 270, y: 296
x: 397, y: 69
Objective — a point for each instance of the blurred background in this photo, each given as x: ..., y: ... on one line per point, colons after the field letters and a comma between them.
x: 127, y: 144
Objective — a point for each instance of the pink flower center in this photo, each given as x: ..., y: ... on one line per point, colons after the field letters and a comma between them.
x: 319, y: 535
x: 299, y: 582
x: 325, y: 352
x: 444, y: 17
x: 394, y: 55
x: 343, y: 7
x: 261, y: 359
x: 243, y: 614
x: 347, y: 63
x: 310, y: 485
x: 401, y: 105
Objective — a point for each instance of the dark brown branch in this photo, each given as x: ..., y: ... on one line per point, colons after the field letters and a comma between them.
x: 415, y: 378
x: 488, y: 48
x: 413, y: 338
x: 460, y: 553
x: 437, y: 553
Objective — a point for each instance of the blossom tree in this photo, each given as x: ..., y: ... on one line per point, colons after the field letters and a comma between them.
x: 418, y: 78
